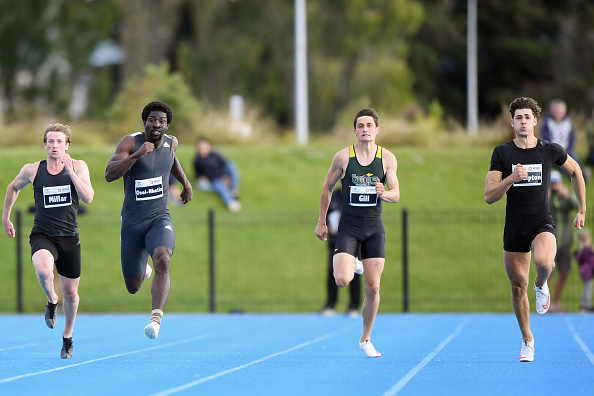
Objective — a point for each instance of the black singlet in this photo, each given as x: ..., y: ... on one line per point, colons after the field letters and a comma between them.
x: 529, y: 196
x: 56, y: 203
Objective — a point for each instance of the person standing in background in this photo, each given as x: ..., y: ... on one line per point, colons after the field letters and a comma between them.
x: 333, y: 219
x: 563, y: 204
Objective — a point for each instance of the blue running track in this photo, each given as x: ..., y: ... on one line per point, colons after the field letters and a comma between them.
x: 278, y: 354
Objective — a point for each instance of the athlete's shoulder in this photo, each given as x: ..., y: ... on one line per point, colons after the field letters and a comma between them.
x: 387, y: 154
x: 345, y: 152
x: 29, y: 171
x: 544, y: 143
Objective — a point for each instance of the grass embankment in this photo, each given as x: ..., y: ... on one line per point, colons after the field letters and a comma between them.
x: 268, y: 257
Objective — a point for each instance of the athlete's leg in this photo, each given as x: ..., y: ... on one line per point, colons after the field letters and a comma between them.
x: 517, y: 266
x: 71, y: 299
x: 544, y: 248
x: 134, y: 256
x: 43, y: 261
x: 344, y: 268
x: 373, y: 272
x: 161, y: 282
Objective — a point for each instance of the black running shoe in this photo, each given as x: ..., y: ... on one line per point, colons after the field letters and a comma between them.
x: 50, y: 315
x: 67, y: 348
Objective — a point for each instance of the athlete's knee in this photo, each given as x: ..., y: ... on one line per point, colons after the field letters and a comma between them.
x: 341, y: 280
x: 544, y: 266
x: 133, y: 285
x: 372, y: 290
x: 70, y: 295
x: 518, y: 287
x: 44, y: 273
x: 161, y: 260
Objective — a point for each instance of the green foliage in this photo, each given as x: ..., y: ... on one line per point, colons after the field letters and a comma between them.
x: 537, y: 52
x: 157, y: 83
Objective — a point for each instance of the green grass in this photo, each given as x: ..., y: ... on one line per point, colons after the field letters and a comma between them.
x: 268, y: 257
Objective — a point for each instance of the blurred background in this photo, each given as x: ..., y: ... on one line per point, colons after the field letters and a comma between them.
x: 227, y: 68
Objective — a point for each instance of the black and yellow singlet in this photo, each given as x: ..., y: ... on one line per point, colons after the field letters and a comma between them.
x: 359, y: 197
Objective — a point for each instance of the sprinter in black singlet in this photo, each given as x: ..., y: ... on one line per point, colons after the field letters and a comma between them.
x: 521, y: 169
x: 145, y: 160
x: 58, y: 184
x: 363, y: 169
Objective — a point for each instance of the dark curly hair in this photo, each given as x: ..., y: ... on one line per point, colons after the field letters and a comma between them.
x: 157, y: 106
x: 524, y: 103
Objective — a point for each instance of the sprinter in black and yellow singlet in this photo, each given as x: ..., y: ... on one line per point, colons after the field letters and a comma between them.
x: 521, y: 170
x: 363, y: 169
x: 58, y: 183
x: 145, y: 160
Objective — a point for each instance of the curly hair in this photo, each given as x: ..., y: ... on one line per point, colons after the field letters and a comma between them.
x: 65, y: 129
x: 524, y: 103
x: 157, y: 106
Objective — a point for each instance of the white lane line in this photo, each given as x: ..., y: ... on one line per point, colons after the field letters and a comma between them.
x: 231, y: 370
x: 102, y: 358
x: 404, y: 380
x: 23, y: 346
x: 580, y: 342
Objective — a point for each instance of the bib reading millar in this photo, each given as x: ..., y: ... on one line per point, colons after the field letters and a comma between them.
x: 56, y: 196
x: 534, y: 176
x: 148, y: 188
x: 363, y: 196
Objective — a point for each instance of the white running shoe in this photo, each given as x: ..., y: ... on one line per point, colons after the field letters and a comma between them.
x: 152, y: 329
x: 148, y: 272
x: 527, y: 352
x: 543, y: 298
x: 369, y: 350
x: 359, y: 268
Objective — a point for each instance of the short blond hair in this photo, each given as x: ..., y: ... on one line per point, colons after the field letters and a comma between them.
x: 65, y: 129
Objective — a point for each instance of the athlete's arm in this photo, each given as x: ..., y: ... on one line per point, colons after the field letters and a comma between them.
x: 79, y: 174
x: 124, y: 157
x: 177, y: 170
x: 579, y: 188
x: 390, y: 166
x: 495, y: 188
x: 25, y: 176
x: 336, y: 172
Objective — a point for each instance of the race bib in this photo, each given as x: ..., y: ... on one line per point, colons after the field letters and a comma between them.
x: 148, y: 188
x: 534, y: 176
x: 57, y: 196
x: 363, y: 196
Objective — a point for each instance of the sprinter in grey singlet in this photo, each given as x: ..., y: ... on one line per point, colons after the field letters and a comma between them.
x: 145, y: 161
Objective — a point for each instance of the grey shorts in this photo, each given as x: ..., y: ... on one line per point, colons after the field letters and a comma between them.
x: 140, y: 240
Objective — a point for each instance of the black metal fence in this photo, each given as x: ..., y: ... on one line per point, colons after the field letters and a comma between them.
x: 436, y: 261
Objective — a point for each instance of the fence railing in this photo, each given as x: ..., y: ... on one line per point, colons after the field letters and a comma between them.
x: 436, y: 261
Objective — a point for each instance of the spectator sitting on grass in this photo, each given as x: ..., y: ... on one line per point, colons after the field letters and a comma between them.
x: 215, y: 173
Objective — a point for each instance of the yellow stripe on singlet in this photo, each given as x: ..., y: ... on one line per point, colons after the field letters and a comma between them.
x: 378, y: 154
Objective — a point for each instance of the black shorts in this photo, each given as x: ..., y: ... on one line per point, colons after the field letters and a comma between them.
x: 65, y: 249
x: 363, y: 236
x: 519, y: 234
x: 141, y: 239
